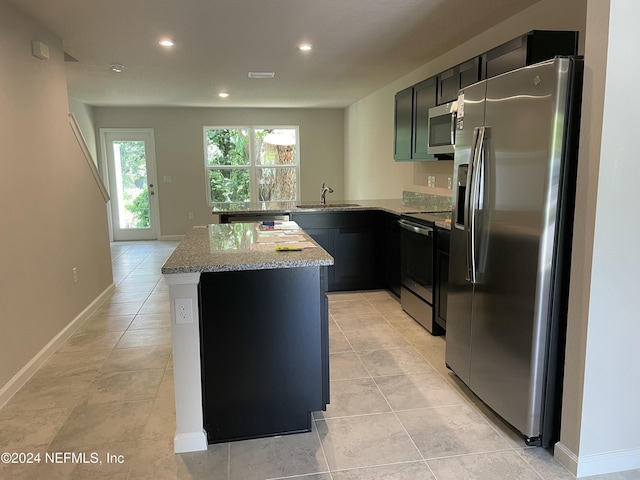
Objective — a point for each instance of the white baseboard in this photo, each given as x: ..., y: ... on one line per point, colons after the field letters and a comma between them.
x: 597, y: 464
x: 171, y: 238
x: 190, y: 442
x: 566, y: 457
x: 26, y: 372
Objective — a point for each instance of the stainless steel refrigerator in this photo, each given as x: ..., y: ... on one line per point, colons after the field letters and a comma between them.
x: 514, y: 188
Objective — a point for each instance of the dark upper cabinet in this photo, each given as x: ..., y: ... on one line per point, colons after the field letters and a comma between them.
x: 533, y: 47
x: 403, y: 140
x: 412, y: 104
x: 411, y: 120
x: 448, y: 85
x: 424, y: 97
x: 469, y: 73
x: 453, y: 79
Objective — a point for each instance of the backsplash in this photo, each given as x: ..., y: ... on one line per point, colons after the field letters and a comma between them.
x: 428, y: 201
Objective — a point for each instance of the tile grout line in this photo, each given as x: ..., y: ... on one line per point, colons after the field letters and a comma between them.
x: 469, y: 403
x: 400, y: 422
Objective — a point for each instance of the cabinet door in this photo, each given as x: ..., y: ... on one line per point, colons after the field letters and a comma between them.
x: 350, y: 238
x: 403, y: 123
x: 424, y: 97
x: 534, y: 47
x: 325, y: 237
x: 506, y: 57
x: 355, y: 261
x: 448, y: 85
x: 442, y: 288
x: 443, y: 238
x: 389, y: 252
x: 469, y: 72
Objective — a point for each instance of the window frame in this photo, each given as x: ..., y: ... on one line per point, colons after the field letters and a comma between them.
x: 253, y: 167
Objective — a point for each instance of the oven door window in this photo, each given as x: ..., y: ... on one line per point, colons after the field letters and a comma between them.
x: 417, y: 264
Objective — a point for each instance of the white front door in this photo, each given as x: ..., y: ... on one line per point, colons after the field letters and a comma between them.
x: 130, y: 155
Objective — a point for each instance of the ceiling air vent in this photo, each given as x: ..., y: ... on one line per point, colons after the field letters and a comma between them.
x: 262, y: 74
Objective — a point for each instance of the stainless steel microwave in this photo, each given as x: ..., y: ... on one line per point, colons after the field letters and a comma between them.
x: 442, y: 129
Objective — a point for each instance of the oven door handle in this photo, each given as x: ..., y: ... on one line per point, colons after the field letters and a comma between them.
x: 415, y: 228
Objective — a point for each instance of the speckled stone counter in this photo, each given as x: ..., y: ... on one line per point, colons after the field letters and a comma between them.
x: 396, y: 206
x: 244, y: 246
x: 444, y: 224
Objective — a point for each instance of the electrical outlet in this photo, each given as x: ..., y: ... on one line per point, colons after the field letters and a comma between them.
x: 431, y: 181
x: 190, y: 215
x: 449, y: 183
x: 74, y: 274
x: 184, y: 310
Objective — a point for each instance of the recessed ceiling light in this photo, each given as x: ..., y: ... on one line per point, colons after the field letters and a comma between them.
x: 117, y: 68
x: 167, y: 42
x: 223, y: 94
x: 262, y: 74
x: 305, y: 47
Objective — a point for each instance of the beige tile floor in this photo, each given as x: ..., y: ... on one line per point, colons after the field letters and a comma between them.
x: 396, y: 412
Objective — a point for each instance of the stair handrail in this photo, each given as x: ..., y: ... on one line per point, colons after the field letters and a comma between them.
x: 87, y: 155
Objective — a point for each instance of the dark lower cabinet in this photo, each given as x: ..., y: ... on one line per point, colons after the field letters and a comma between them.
x: 441, y: 276
x: 389, y: 253
x: 365, y: 246
x: 355, y: 251
x: 351, y: 238
x: 264, y: 347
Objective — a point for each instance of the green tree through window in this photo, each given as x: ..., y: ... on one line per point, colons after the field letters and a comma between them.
x: 251, y: 164
x: 134, y: 183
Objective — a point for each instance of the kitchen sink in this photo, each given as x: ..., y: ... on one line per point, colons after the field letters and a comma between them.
x: 328, y: 205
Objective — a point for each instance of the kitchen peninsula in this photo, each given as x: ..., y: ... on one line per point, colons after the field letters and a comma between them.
x: 250, y: 332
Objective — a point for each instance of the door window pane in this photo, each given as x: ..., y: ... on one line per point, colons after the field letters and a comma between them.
x: 131, y: 180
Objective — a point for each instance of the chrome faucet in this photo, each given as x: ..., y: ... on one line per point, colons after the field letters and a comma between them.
x: 323, y: 193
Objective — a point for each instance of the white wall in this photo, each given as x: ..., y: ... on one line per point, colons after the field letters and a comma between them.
x: 601, y: 419
x: 53, y: 217
x: 180, y: 155
x: 370, y: 171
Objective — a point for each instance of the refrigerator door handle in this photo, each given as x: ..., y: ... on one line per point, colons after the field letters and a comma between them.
x: 474, y: 198
x: 468, y: 199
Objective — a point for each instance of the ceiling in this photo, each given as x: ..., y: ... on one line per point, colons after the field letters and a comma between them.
x: 359, y: 46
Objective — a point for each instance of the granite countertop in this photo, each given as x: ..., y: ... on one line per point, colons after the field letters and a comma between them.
x: 244, y: 246
x: 444, y: 224
x: 395, y: 206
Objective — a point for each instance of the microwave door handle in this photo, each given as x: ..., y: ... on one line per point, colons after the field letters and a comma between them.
x: 468, y: 198
x: 478, y: 166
